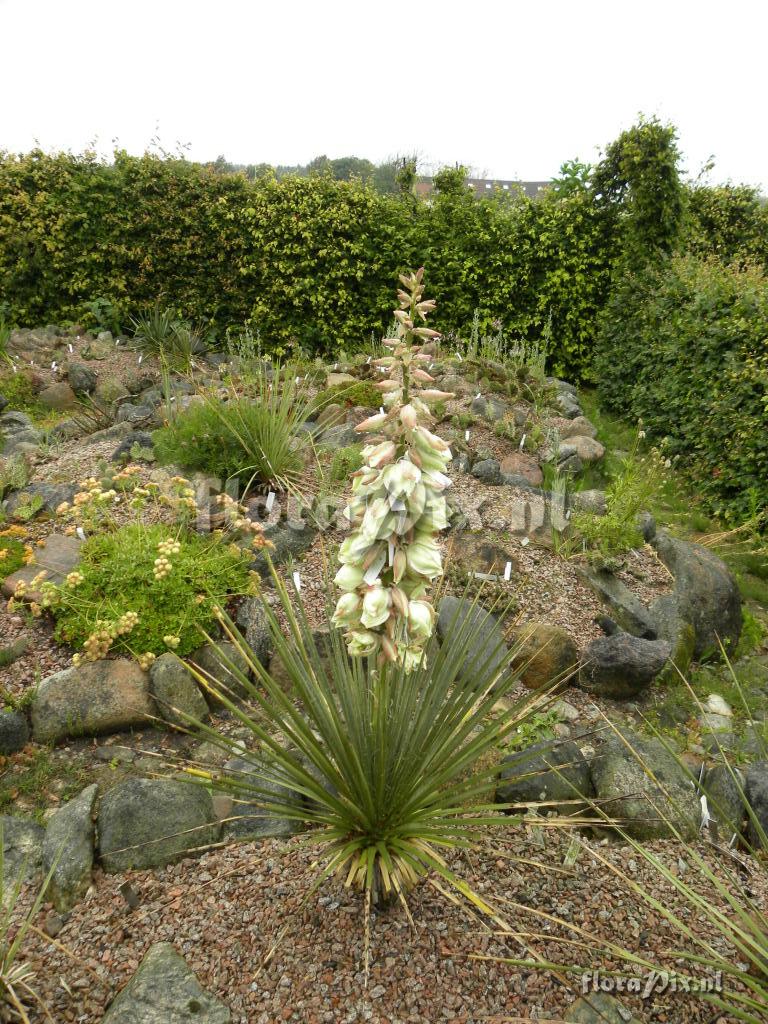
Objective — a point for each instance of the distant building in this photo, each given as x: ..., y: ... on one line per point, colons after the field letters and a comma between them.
x: 487, y: 186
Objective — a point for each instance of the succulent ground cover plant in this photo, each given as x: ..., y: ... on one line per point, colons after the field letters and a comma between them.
x: 398, y: 507
x: 142, y: 588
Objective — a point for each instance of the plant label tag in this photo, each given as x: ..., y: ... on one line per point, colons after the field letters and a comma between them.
x: 508, y: 572
x: 466, y: 435
x: 270, y: 501
x: 297, y: 580
x: 522, y: 441
x: 71, y: 349
x: 525, y: 542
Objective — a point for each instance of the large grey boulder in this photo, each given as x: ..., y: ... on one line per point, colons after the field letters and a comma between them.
x: 554, y: 772
x: 707, y: 593
x: 49, y: 497
x: 60, y: 556
x: 14, y: 732
x: 724, y: 788
x: 146, y: 823
x: 645, y: 807
x: 291, y: 538
x: 252, y: 619
x: 222, y: 665
x: 599, y: 1008
x: 757, y: 798
x: 487, y: 471
x: 22, y: 849
x: 90, y: 699
x: 628, y: 610
x: 621, y: 665
x: 164, y: 990
x: 175, y: 691
x: 479, y: 632
x: 68, y: 845
x: 247, y: 818
x: 82, y: 378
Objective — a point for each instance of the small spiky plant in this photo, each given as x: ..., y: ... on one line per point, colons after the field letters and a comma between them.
x: 398, y: 508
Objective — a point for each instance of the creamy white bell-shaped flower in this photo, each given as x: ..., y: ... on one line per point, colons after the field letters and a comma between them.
x: 423, y: 558
x: 420, y: 619
x: 362, y: 642
x: 375, y: 514
x: 400, y: 478
x: 349, y: 577
x: 347, y: 609
x: 354, y: 548
x: 376, y: 604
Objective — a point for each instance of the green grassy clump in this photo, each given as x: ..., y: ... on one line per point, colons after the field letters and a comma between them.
x: 362, y: 394
x: 119, y: 577
x: 345, y: 462
x: 254, y: 435
x: 37, y: 776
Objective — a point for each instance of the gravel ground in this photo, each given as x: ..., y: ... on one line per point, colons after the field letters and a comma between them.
x: 226, y: 911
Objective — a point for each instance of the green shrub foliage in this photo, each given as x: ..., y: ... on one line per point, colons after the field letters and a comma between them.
x: 683, y: 346
x: 308, y: 261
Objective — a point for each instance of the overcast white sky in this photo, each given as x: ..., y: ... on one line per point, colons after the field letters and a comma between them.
x: 511, y: 89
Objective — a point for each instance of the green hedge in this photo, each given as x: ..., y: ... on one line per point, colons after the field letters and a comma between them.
x: 684, y: 347
x: 307, y: 260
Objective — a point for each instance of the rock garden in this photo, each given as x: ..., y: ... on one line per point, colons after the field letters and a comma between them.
x: 192, y: 537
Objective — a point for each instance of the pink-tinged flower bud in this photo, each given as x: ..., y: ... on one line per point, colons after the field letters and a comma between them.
x: 399, y: 600
x: 385, y: 361
x: 409, y: 417
x: 388, y: 649
x: 403, y: 318
x: 403, y: 297
x: 431, y: 395
x: 399, y: 565
x: 387, y: 385
x: 426, y: 332
x: 372, y: 423
x: 390, y: 342
x: 434, y: 442
x: 422, y: 375
x: 423, y: 357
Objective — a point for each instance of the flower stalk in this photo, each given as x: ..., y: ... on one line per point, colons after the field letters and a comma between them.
x: 398, y: 506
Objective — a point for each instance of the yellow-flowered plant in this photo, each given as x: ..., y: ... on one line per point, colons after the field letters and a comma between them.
x: 398, y: 507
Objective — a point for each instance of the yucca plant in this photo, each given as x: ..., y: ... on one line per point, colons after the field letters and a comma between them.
x: 16, y: 978
x: 160, y: 332
x: 251, y: 435
x: 389, y: 767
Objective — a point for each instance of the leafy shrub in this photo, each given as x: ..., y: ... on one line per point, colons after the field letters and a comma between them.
x: 117, y: 579
x: 682, y: 346
x: 251, y: 436
x: 303, y: 260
